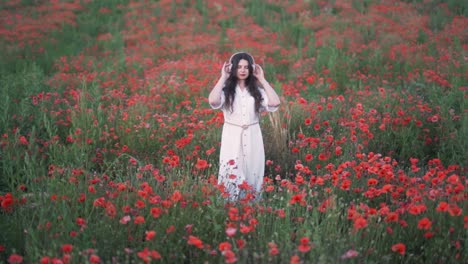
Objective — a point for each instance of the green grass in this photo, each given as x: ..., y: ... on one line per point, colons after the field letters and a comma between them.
x: 95, y: 154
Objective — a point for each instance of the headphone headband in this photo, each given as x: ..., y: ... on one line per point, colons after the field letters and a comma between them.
x: 232, y: 56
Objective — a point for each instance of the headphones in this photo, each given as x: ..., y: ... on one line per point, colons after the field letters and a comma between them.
x: 232, y: 56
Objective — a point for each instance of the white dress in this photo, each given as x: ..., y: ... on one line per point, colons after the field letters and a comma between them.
x: 242, y: 155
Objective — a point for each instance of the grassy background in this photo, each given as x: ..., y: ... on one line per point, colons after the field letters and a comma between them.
x: 105, y: 119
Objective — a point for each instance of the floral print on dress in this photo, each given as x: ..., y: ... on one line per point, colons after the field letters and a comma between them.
x: 230, y: 177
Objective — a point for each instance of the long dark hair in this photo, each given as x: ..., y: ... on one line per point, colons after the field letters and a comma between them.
x: 251, y: 82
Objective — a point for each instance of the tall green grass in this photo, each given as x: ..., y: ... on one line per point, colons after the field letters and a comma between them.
x: 55, y: 197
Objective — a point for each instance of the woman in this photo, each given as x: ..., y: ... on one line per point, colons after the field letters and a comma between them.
x: 242, y: 93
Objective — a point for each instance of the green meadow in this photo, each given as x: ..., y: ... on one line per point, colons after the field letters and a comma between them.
x: 109, y: 148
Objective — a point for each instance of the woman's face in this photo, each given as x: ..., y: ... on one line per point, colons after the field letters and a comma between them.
x: 243, y: 70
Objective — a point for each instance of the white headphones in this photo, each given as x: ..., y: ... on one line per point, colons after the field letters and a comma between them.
x: 253, y: 60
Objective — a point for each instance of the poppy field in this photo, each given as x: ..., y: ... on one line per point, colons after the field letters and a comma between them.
x: 109, y: 148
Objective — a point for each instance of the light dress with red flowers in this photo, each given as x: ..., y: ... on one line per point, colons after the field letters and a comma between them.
x: 242, y: 155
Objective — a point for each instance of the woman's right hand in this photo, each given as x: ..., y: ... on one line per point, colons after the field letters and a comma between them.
x: 225, y: 71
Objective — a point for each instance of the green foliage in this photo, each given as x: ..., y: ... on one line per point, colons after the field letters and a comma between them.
x: 120, y: 134
x: 438, y: 20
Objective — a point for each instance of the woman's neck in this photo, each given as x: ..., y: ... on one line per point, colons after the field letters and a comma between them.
x: 241, y: 84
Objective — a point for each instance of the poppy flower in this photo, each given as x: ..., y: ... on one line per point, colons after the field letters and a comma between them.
x: 15, y: 259
x: 150, y: 235
x: 201, y: 164
x: 399, y: 248
x: 424, y: 223
x: 195, y: 241
x: 304, y: 245
x: 94, y: 259
x: 360, y: 223
x: 67, y: 248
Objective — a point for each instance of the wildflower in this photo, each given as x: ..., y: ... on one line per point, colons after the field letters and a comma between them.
x: 146, y: 255
x: 45, y: 260
x: 454, y: 210
x: 133, y: 161
x: 273, y: 249
x: 139, y: 220
x: 399, y: 248
x: 7, y: 201
x: 150, y: 235
x: 360, y: 223
x: 111, y: 211
x: 80, y: 221
x: 140, y: 204
x: 195, y: 241
x: 223, y: 246
x: 372, y: 182
x: 297, y: 198
x: 244, y: 229
x: 67, y: 248
x: 230, y: 231
x: 304, y: 245
x: 295, y: 260
x: 453, y: 179
x: 240, y: 243
x: 201, y: 164
x: 424, y: 223
x: 229, y: 256
x: 391, y: 217
x: 176, y: 196
x: 170, y: 229
x: 15, y: 258
x: 311, y: 79
x: 94, y: 259
x: 350, y: 254
x: 322, y: 156
x: 23, y: 140
x: 428, y: 235
x: 338, y: 151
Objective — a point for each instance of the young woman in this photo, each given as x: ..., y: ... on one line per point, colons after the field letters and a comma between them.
x: 242, y: 93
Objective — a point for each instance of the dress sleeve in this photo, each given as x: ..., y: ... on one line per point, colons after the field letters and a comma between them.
x: 264, y: 107
x: 223, y: 98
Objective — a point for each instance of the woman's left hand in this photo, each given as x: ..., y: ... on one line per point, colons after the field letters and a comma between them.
x: 258, y: 72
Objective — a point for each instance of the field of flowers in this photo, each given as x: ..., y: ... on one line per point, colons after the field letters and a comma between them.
x: 109, y: 149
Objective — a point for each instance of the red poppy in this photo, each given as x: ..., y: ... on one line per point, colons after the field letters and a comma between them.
x: 399, y: 248
x: 201, y: 164
x: 391, y: 217
x: 23, y: 140
x: 360, y: 223
x: 424, y: 223
x: 223, y: 246
x: 273, y: 249
x: 195, y: 241
x: 454, y: 210
x: 240, y: 243
x: 304, y: 245
x: 67, y: 248
x: 295, y: 259
x: 150, y: 234
x: 94, y: 259
x: 297, y: 198
x: 80, y: 221
x: 15, y: 259
x: 156, y: 212
x: 139, y: 220
x: 176, y: 196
